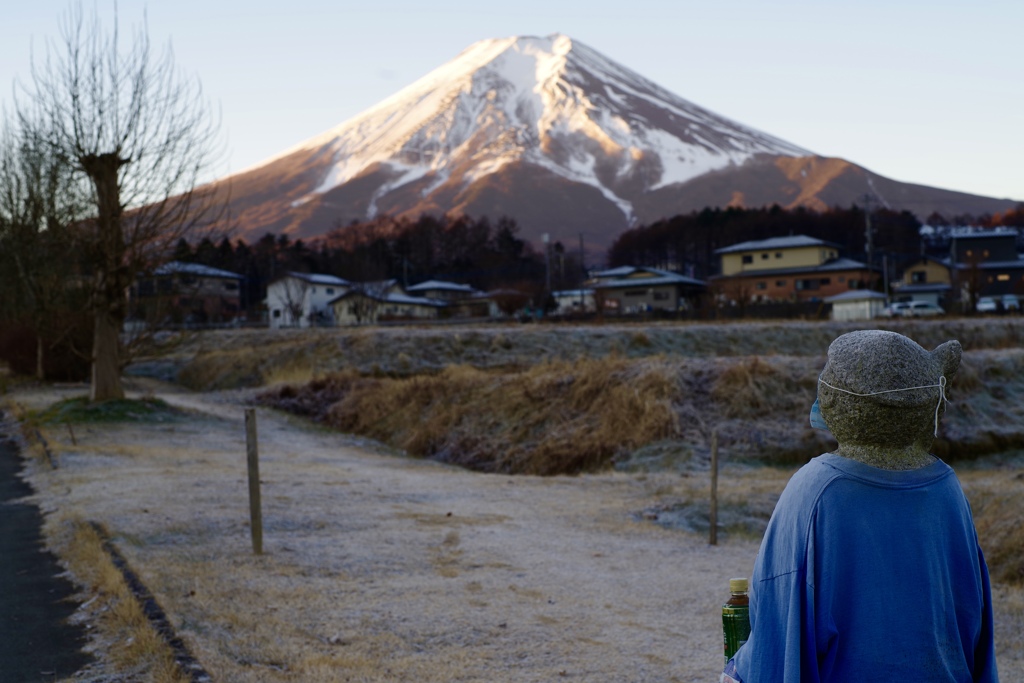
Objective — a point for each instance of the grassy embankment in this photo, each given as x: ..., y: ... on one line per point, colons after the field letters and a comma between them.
x: 554, y: 400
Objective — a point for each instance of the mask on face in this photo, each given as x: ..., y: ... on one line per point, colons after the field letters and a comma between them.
x: 817, y: 421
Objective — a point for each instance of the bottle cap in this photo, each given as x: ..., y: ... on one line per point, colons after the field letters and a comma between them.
x: 737, y: 585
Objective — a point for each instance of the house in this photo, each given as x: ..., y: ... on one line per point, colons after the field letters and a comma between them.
x: 465, y: 301
x: 629, y: 289
x: 986, y: 264
x: 187, y: 293
x: 983, y: 245
x: 794, y: 268
x: 926, y: 280
x: 372, y: 302
x: 495, y: 303
x: 302, y: 299
x: 856, y: 304
x: 439, y: 289
x: 574, y: 301
x: 776, y: 253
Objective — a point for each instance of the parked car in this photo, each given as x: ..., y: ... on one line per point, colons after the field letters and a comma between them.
x: 918, y: 309
x: 987, y: 304
x: 895, y: 309
x: 1011, y: 303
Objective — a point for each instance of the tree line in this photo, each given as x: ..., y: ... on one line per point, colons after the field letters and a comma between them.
x: 475, y: 251
x: 688, y: 242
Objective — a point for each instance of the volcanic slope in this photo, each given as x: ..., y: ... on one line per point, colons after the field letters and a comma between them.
x: 561, y: 138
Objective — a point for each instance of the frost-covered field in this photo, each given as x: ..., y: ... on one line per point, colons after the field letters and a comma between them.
x: 384, y: 568
x: 381, y: 567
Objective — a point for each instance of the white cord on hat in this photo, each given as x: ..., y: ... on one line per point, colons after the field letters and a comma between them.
x: 942, y: 394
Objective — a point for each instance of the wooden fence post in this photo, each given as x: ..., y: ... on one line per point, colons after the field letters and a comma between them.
x: 714, y: 489
x: 253, y: 453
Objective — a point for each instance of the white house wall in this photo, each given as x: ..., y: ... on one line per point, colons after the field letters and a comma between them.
x: 314, y: 298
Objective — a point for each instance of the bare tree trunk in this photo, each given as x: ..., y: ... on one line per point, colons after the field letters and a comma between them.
x: 40, y: 374
x: 111, y: 282
x: 106, y: 362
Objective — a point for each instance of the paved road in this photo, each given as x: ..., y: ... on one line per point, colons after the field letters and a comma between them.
x: 36, y: 642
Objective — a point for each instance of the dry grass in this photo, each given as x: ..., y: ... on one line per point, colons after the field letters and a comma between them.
x: 554, y: 418
x: 995, y: 496
x: 132, y: 645
x: 229, y: 359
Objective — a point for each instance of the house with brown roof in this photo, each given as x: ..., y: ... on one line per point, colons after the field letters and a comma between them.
x: 187, y: 293
x: 629, y: 289
x: 795, y: 268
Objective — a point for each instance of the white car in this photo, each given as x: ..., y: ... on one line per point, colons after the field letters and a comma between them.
x: 918, y: 309
x: 986, y: 304
x: 895, y: 309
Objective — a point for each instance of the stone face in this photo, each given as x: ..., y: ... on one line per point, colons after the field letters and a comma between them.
x: 891, y: 424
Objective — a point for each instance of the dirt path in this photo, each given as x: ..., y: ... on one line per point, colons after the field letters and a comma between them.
x: 382, y: 568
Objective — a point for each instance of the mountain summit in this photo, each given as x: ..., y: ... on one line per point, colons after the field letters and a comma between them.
x: 549, y: 132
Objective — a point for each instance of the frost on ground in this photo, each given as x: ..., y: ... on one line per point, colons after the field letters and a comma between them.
x: 379, y: 567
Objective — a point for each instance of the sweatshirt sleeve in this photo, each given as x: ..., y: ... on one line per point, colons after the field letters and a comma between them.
x: 790, y: 641
x: 787, y: 644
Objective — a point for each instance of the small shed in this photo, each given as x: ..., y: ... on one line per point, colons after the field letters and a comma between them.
x: 857, y: 304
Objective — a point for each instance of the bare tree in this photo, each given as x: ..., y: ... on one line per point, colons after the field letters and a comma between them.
x: 38, y: 206
x: 367, y: 300
x: 294, y: 293
x: 138, y: 135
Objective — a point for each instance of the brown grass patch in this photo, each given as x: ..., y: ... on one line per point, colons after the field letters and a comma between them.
x: 555, y: 418
x: 135, y: 648
x: 751, y: 388
x: 996, y: 503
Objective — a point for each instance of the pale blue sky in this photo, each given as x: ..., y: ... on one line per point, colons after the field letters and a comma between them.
x: 923, y: 92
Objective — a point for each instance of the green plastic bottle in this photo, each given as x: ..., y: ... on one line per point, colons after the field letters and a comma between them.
x: 736, y: 617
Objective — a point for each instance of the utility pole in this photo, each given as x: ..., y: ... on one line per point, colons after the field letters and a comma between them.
x: 885, y: 276
x: 546, y: 238
x: 867, y: 228
x: 583, y: 279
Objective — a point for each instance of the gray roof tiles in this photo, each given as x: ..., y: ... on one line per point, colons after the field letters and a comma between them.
x: 789, y: 242
x: 197, y: 269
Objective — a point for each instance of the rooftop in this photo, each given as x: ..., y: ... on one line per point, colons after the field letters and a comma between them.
x: 440, y: 285
x: 319, y: 278
x: 790, y: 242
x: 198, y: 269
x: 834, y: 265
x: 856, y: 295
x: 621, y: 277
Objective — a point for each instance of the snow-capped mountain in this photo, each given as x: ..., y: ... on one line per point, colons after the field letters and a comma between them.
x: 546, y: 130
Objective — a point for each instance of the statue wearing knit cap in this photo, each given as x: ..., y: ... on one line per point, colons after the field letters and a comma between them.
x: 870, y: 568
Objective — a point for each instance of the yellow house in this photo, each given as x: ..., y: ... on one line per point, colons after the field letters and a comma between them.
x: 776, y: 253
x: 926, y: 280
x: 927, y: 271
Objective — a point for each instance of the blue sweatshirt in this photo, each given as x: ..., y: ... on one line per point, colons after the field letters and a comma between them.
x: 869, y: 575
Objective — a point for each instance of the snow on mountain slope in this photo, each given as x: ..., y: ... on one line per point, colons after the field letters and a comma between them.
x: 551, y: 102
